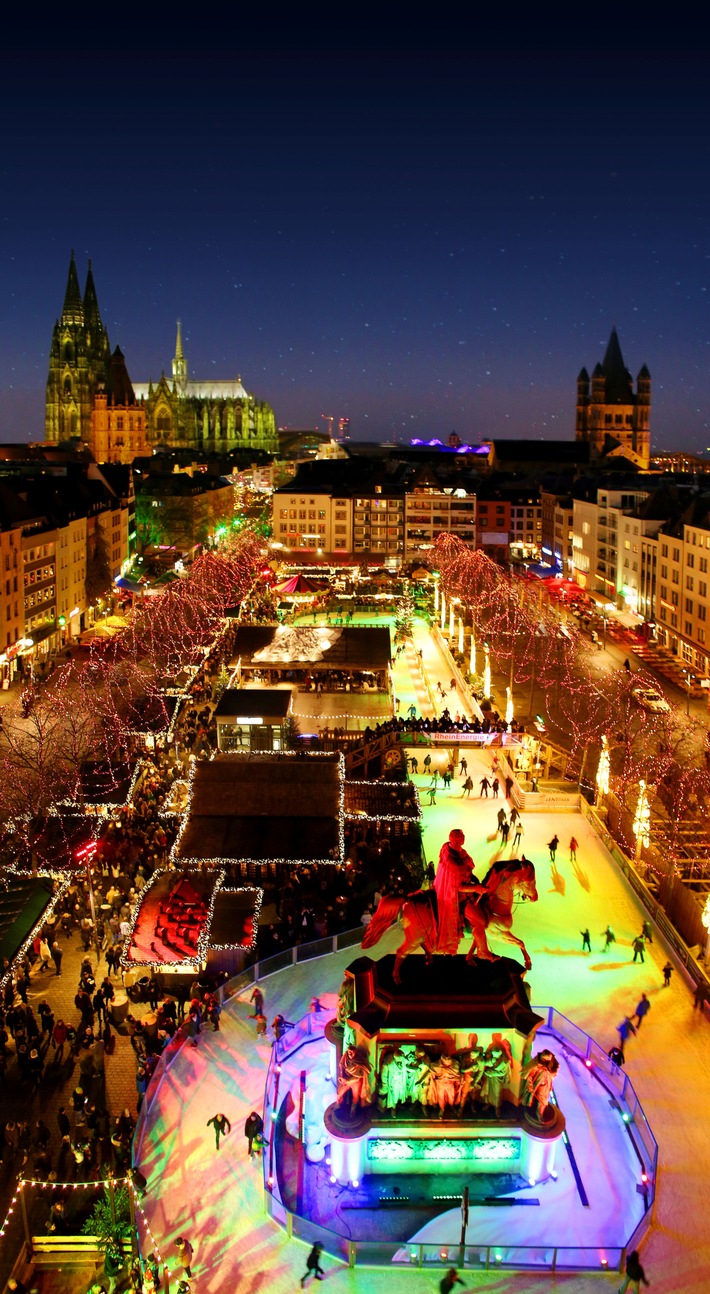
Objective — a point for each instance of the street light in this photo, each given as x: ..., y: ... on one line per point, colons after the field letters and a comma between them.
x: 687, y: 693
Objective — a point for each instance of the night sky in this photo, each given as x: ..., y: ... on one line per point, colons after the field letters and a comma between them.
x: 420, y: 240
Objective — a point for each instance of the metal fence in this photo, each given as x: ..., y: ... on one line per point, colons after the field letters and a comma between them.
x: 480, y: 1255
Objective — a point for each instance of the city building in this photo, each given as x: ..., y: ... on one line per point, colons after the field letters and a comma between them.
x: 181, y: 511
x: 117, y: 431
x: 557, y: 531
x: 612, y: 418
x: 430, y: 509
x: 598, y: 551
x: 509, y: 521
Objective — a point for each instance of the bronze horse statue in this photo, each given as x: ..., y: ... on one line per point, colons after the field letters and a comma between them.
x: 488, y: 907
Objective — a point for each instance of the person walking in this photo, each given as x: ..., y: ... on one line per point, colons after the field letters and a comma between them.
x: 502, y: 817
x: 504, y: 832
x: 447, y: 1282
x: 586, y: 941
x: 57, y: 954
x: 667, y: 972
x: 700, y: 996
x: 313, y: 1267
x: 625, y: 1029
x: 485, y: 787
x: 572, y: 850
x: 260, y: 1023
x: 647, y: 931
x: 495, y: 787
x: 45, y: 956
x: 552, y: 846
x: 414, y: 764
x: 222, y: 1127
x: 432, y: 793
x: 257, y: 998
x: 253, y: 1127
x: 463, y: 766
x: 609, y: 938
x: 642, y: 1010
x: 186, y: 1253
x: 638, y: 946
x: 427, y: 762
x: 634, y: 1273
x: 519, y: 833
x: 467, y: 787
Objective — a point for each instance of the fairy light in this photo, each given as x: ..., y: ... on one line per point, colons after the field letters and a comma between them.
x: 39, y: 925
x: 642, y: 818
x: 603, y: 769
x: 154, y: 1246
x: 339, y: 851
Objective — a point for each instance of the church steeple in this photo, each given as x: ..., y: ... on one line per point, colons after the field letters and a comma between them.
x: 92, y: 318
x: 72, y: 310
x: 179, y: 362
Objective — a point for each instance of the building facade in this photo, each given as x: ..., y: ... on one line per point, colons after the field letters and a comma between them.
x: 611, y: 417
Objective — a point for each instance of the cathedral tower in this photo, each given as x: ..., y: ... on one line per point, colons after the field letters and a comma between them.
x: 613, y: 418
x: 78, y: 361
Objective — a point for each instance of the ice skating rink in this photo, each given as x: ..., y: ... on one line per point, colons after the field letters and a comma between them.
x: 216, y: 1199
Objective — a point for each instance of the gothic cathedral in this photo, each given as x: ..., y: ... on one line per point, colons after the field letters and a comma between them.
x: 78, y: 362
x: 90, y: 395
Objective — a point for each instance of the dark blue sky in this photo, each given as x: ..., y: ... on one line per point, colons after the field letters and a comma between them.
x: 421, y: 241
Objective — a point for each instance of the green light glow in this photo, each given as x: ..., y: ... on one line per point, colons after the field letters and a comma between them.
x: 489, y: 1149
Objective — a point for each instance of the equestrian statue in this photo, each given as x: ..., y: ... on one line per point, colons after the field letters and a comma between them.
x: 432, y: 919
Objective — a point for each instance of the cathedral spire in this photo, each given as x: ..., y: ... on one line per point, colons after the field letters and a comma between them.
x: 73, y: 310
x: 92, y: 318
x: 179, y: 362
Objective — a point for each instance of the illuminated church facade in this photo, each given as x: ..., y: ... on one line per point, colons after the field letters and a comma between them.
x: 90, y: 395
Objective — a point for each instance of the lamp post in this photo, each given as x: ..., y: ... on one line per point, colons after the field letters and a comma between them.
x: 472, y: 660
x: 487, y: 673
x: 443, y: 610
x: 509, y: 711
x: 451, y: 621
x: 687, y: 691
x: 436, y: 596
x: 460, y: 635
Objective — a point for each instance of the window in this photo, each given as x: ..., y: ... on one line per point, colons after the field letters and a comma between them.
x: 689, y: 582
x: 702, y: 612
x: 702, y: 588
x: 690, y: 559
x: 689, y: 606
x: 675, y: 577
x: 664, y: 550
x: 664, y: 572
x: 676, y: 554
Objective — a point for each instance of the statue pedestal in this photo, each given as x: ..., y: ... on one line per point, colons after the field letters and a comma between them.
x: 348, y: 1129
x: 540, y: 1143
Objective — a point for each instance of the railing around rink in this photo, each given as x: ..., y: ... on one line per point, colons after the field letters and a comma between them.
x: 480, y: 1255
x: 251, y: 975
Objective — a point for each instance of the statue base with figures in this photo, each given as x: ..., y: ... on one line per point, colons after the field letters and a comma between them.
x: 448, y: 1044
